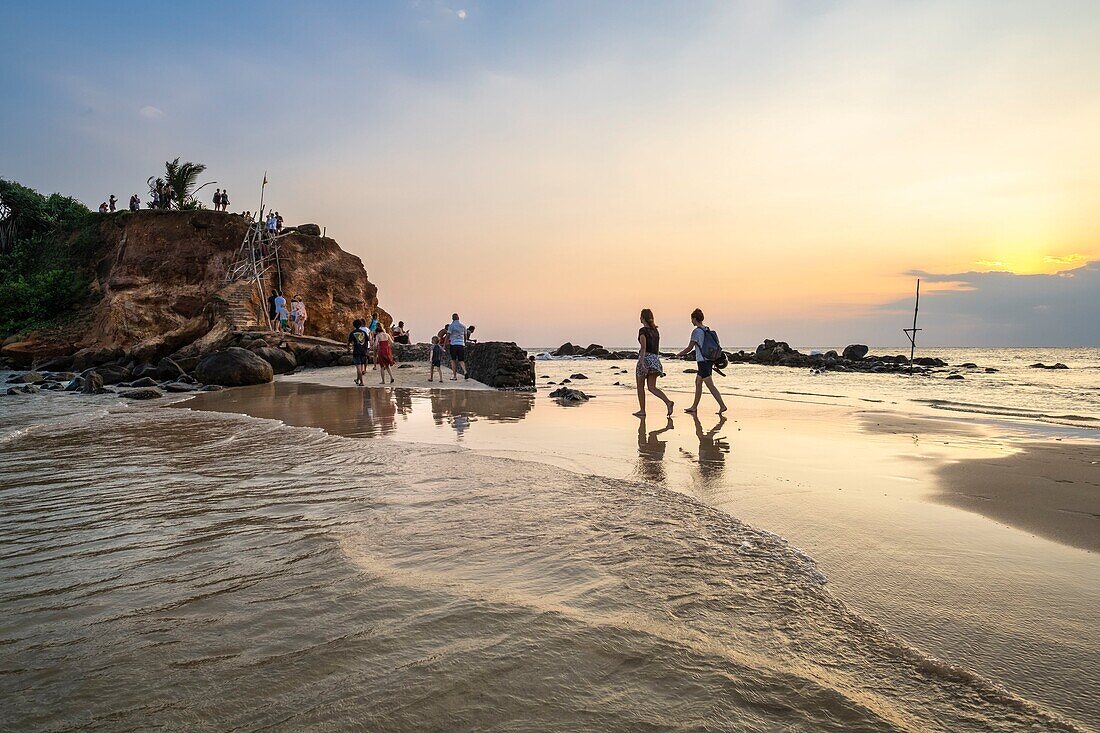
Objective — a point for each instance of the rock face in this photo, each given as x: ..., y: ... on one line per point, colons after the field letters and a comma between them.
x: 500, y: 364
x: 161, y: 285
x: 234, y: 367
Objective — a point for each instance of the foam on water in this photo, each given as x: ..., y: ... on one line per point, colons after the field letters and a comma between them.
x: 163, y: 568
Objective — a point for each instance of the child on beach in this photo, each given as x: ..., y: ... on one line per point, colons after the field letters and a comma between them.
x: 436, y: 360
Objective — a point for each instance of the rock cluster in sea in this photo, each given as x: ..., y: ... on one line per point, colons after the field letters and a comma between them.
x: 853, y: 358
x: 500, y: 364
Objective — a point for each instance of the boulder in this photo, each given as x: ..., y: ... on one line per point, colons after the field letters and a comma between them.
x: 234, y: 367
x: 180, y: 387
x: 257, y: 344
x: 577, y: 376
x: 281, y: 361
x: 311, y: 230
x: 500, y: 364
x: 955, y: 376
x: 146, y: 370
x: 320, y: 356
x: 28, y: 378
x: 1041, y: 365
x: 113, y: 374
x: 566, y: 349
x: 144, y: 382
x: 168, y: 369
x: 141, y: 393
x: 855, y: 352
x: 344, y: 360
x: 93, y: 383
x: 566, y: 394
x: 212, y: 388
x: 75, y: 384
x: 411, y: 352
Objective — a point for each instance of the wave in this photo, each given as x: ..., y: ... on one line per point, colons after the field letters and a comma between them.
x: 417, y: 587
x: 1013, y: 412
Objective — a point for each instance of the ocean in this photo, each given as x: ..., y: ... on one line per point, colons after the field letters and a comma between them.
x: 187, y: 569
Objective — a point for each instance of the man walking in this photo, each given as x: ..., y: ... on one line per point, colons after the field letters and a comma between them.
x: 457, y: 333
x: 703, y: 364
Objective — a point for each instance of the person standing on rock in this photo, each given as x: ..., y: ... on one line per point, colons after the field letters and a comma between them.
x: 457, y: 333
x: 225, y: 200
x: 298, y: 315
x: 649, y: 363
x: 704, y: 367
x: 358, y: 344
x: 384, y: 354
x: 135, y: 203
x: 112, y: 202
x: 217, y: 199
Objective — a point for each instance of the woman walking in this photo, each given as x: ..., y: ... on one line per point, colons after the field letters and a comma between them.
x: 384, y: 358
x: 298, y: 315
x: 649, y: 362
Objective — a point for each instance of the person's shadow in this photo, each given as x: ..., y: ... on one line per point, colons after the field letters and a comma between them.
x: 651, y: 452
x: 712, y: 449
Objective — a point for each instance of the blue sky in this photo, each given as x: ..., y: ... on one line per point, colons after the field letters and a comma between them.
x: 787, y: 166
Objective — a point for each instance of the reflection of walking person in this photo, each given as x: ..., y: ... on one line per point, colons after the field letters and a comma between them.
x: 358, y: 344
x: 651, y: 452
x: 384, y: 354
x: 712, y: 447
x: 457, y: 332
x: 704, y: 365
x: 649, y: 362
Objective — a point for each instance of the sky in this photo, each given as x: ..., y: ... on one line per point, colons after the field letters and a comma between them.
x: 548, y: 169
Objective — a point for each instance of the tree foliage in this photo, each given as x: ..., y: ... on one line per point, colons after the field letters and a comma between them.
x: 46, y: 246
x: 182, y: 177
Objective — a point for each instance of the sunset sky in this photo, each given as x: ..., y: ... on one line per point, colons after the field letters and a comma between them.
x: 547, y: 169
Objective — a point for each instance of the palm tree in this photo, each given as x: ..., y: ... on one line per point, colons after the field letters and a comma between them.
x: 182, y: 177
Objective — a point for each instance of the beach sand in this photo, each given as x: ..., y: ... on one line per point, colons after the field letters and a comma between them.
x: 885, y: 502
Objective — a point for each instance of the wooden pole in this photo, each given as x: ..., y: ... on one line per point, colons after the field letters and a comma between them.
x: 912, y: 332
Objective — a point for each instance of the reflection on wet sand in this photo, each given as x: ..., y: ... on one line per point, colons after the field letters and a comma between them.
x: 366, y: 412
x: 651, y: 452
x: 712, y: 450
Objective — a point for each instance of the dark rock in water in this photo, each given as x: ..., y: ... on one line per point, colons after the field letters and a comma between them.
x: 549, y: 383
x: 52, y: 386
x: 404, y: 366
x: 179, y: 387
x: 929, y: 361
x: 281, y: 361
x: 113, y: 374
x: 691, y: 371
x: 566, y: 394
x: 185, y: 379
x: 146, y: 370
x: 955, y: 376
x: 75, y: 384
x: 567, y: 381
x: 968, y: 365
x: 500, y: 364
x: 1041, y: 365
x: 616, y: 384
x: 311, y: 230
x: 212, y: 388
x: 769, y: 352
x: 93, y: 383
x: 544, y: 376
x: 28, y: 378
x: 855, y: 352
x: 234, y: 367
x: 344, y: 360
x: 144, y: 382
x: 597, y: 351
x: 169, y: 369
x: 991, y: 370
x: 566, y: 349
x: 141, y: 393
x: 577, y: 376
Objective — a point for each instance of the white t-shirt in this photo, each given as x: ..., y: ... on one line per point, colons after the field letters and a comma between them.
x: 697, y: 336
x: 458, y: 333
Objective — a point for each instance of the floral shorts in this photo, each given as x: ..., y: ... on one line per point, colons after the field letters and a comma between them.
x: 652, y: 363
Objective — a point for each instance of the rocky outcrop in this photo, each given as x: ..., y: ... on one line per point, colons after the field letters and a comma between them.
x: 567, y: 394
x: 281, y: 361
x: 855, y: 352
x: 159, y: 288
x: 233, y: 367
x: 500, y: 364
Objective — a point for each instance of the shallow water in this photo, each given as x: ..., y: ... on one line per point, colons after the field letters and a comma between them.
x: 162, y: 568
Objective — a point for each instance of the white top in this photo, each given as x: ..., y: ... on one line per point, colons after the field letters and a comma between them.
x: 457, y: 333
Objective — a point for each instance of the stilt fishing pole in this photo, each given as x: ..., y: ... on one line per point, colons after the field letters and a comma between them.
x: 911, y: 333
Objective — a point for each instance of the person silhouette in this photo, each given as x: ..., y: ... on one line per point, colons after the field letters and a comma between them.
x: 712, y: 449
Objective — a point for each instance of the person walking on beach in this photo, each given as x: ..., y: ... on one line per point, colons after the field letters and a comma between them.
x: 649, y: 363
x: 457, y: 333
x: 383, y: 345
x: 436, y: 360
x: 298, y: 315
x: 704, y: 365
x: 358, y: 344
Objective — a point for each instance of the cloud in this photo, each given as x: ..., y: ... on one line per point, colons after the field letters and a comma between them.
x: 1003, y: 308
x: 150, y: 112
x: 461, y: 14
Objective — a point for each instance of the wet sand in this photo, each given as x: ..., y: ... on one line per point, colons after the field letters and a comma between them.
x: 879, y: 499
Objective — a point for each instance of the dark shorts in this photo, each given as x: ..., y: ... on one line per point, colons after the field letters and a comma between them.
x: 358, y: 360
x: 437, y: 363
x: 458, y: 353
x: 706, y: 369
